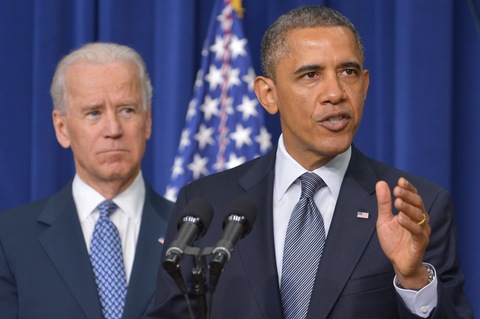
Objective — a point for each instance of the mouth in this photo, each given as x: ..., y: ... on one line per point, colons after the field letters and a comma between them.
x: 335, y: 121
x: 113, y: 151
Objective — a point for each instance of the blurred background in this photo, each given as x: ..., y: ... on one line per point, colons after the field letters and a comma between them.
x: 422, y: 112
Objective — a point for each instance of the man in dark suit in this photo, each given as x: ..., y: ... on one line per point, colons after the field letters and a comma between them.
x: 48, y: 268
x: 381, y: 259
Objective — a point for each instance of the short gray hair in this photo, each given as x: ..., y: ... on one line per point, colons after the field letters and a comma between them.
x: 273, y: 42
x: 102, y: 53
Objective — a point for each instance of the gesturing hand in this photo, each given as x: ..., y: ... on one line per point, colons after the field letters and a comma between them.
x: 404, y: 237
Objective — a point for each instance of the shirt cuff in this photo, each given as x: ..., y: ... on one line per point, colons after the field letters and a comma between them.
x: 423, y: 301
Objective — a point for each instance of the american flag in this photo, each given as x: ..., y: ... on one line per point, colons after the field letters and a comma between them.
x: 364, y: 215
x: 224, y: 125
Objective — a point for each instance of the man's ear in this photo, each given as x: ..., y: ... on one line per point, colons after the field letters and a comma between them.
x: 61, y: 131
x: 265, y: 90
x: 366, y: 82
x: 148, y: 129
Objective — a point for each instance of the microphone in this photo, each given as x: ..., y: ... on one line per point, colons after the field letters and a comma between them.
x: 193, y: 224
x: 237, y: 224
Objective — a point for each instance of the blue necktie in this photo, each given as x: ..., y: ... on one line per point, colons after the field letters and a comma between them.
x: 107, y: 261
x: 304, y: 243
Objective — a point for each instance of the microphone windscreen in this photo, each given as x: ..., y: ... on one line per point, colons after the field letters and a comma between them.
x: 243, y: 207
x: 201, y: 209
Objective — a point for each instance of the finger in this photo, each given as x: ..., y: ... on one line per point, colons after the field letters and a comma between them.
x: 421, y: 231
x: 410, y: 217
x: 404, y: 183
x: 408, y: 192
x: 414, y: 211
x: 408, y: 200
x: 384, y: 201
x: 424, y: 220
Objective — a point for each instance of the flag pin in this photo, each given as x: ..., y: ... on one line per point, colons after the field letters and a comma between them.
x: 161, y: 240
x: 363, y: 215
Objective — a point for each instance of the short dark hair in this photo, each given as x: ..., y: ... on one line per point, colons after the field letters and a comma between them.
x: 273, y: 46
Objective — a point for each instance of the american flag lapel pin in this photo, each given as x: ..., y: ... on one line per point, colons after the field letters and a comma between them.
x: 363, y: 215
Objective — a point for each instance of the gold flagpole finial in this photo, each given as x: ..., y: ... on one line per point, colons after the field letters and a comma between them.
x: 237, y: 6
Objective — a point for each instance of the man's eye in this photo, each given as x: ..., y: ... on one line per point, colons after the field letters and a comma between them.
x: 350, y: 72
x: 310, y: 75
x: 93, y: 113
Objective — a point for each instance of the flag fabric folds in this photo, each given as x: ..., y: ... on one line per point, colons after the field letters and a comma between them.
x: 225, y: 123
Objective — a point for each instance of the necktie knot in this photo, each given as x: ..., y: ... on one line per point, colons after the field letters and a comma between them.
x: 311, y: 183
x: 106, y: 208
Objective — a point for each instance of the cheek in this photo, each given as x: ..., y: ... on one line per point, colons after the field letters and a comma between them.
x: 359, y: 104
x: 294, y: 100
x: 139, y: 137
x: 141, y: 131
x: 84, y: 140
x: 82, y: 146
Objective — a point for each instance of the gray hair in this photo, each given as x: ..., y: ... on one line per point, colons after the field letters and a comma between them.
x: 99, y: 53
x: 273, y: 42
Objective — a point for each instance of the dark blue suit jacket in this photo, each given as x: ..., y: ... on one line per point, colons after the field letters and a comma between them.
x: 45, y: 270
x: 354, y: 278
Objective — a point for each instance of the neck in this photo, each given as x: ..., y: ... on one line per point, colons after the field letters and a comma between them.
x: 110, y: 188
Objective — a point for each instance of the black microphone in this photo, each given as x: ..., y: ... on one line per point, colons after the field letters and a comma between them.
x: 193, y: 224
x: 238, y: 222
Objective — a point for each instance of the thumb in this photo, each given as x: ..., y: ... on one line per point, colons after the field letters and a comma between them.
x: 384, y: 201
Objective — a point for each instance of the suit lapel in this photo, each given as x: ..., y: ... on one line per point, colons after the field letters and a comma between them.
x: 141, y: 288
x: 257, y: 249
x: 348, y: 235
x: 64, y: 243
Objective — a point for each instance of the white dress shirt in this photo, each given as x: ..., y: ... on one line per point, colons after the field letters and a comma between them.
x: 286, y: 194
x: 126, y: 218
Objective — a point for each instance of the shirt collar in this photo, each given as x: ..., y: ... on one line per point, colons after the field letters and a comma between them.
x: 130, y: 201
x: 287, y: 170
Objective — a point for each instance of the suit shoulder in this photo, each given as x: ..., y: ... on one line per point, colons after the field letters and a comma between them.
x: 23, y: 211
x: 157, y: 199
x: 390, y: 174
x: 31, y: 211
x: 159, y: 202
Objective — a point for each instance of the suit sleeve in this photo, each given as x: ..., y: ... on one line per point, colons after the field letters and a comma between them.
x: 443, y: 255
x: 8, y: 289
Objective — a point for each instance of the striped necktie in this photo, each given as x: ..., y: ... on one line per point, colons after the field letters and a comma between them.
x: 107, y: 261
x: 304, y: 243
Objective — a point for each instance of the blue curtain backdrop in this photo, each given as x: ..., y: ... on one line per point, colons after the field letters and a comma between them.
x: 422, y: 113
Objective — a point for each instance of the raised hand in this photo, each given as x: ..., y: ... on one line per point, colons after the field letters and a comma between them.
x: 404, y: 237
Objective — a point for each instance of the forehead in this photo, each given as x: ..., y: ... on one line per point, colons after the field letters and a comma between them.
x: 92, y: 71
x: 89, y: 77
x: 333, y: 41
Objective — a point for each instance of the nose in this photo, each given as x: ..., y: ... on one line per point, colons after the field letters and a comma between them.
x: 333, y: 90
x: 112, y: 127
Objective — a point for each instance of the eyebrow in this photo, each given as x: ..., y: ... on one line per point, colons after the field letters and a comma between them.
x: 128, y: 103
x: 90, y: 107
x: 318, y: 67
x: 308, y: 68
x: 351, y: 64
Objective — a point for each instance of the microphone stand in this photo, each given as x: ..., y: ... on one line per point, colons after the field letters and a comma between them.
x: 199, y: 282
x: 199, y: 287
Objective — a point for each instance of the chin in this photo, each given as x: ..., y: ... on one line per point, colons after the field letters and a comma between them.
x: 118, y: 173
x: 336, y: 147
